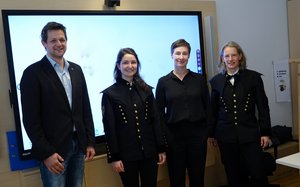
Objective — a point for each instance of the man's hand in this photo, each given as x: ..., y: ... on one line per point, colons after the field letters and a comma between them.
x: 54, y: 163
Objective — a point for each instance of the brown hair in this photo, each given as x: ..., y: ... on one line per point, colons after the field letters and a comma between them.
x: 52, y: 26
x: 137, y: 77
x: 180, y: 43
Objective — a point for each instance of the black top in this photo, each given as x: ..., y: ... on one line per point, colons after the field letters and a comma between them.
x: 132, y: 124
x: 183, y: 101
x: 235, y: 118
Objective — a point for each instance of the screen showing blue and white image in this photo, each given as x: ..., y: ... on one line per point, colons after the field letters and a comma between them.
x: 94, y: 41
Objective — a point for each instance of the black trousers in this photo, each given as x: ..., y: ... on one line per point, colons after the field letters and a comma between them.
x: 187, y: 148
x: 142, y: 172
x: 243, y: 164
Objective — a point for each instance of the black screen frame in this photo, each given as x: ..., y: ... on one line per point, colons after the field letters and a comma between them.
x: 100, y: 140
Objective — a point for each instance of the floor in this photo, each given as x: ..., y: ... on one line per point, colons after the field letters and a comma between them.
x: 289, y: 179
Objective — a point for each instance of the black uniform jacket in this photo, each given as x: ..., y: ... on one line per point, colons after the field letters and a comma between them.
x: 47, y: 115
x: 234, y: 108
x: 132, y: 124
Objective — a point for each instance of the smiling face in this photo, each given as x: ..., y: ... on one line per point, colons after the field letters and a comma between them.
x: 231, y: 58
x: 181, y: 57
x: 128, y: 67
x: 56, y: 44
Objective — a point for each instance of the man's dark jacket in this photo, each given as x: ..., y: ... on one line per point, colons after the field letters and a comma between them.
x: 47, y: 116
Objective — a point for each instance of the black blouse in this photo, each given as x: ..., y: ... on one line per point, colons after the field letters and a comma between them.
x: 183, y: 101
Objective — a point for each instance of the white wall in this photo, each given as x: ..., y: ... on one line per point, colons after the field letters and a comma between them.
x: 260, y: 27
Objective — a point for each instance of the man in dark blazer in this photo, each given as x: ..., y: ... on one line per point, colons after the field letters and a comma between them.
x: 56, y: 112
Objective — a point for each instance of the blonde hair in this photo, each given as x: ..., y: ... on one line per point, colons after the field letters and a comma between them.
x: 221, y: 64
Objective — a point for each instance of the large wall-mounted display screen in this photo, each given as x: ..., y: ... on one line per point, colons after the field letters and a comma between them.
x: 94, y: 39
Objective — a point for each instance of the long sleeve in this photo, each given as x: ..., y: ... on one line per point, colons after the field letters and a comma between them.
x: 31, y: 108
x: 213, y: 113
x: 159, y: 126
x: 87, y: 114
x: 160, y: 97
x: 263, y: 109
x: 109, y: 123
